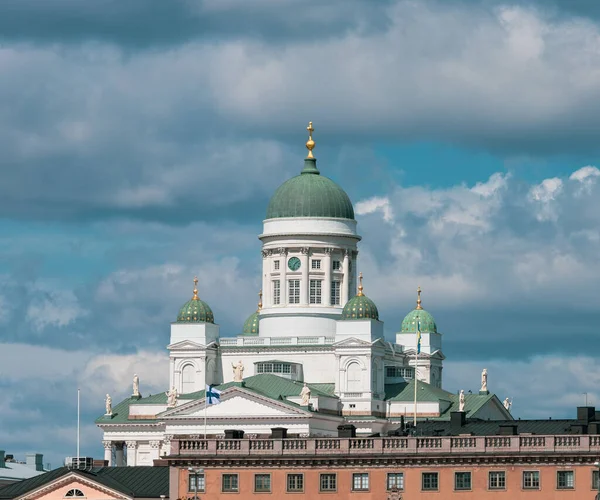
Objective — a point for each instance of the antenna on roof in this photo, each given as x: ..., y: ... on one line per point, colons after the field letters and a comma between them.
x: 78, y: 426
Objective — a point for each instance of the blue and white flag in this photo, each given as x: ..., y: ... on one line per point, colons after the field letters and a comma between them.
x: 418, y: 337
x: 213, y: 396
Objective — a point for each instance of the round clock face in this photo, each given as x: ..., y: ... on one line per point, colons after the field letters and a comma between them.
x: 294, y: 264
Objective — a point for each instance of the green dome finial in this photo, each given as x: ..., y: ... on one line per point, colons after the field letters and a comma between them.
x: 195, y: 310
x: 360, y: 306
x: 310, y: 144
x: 251, y: 325
x: 409, y: 323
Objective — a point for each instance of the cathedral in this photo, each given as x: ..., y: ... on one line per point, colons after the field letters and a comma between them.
x: 310, y: 359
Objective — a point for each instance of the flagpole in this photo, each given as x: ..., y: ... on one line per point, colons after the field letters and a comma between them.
x: 415, y: 379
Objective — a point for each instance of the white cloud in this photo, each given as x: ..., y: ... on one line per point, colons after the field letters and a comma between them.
x: 376, y: 204
x: 54, y: 308
x: 544, y: 194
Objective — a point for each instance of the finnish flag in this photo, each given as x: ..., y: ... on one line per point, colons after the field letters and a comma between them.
x: 213, y: 396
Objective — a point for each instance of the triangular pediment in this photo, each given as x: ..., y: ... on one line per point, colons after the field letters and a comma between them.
x: 186, y: 345
x: 236, y: 402
x: 73, y: 480
x: 353, y: 342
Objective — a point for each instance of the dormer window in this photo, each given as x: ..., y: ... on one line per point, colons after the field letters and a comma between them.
x: 283, y: 369
x: 74, y: 493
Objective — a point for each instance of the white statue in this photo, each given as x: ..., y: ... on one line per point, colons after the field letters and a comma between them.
x: 238, y: 371
x: 507, y: 404
x: 136, y: 385
x: 461, y: 401
x: 108, y: 403
x: 484, y: 380
x: 305, y: 394
x: 172, y: 397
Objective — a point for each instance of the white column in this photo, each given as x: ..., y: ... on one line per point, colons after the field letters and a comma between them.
x: 131, y: 453
x: 304, y: 283
x: 354, y: 273
x: 172, y: 373
x: 119, y: 461
x: 338, y: 384
x: 346, y: 279
x: 266, y: 281
x: 326, y: 289
x: 108, y: 452
x: 283, y: 285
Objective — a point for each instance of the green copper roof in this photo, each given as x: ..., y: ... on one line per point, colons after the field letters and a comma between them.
x: 409, y: 323
x: 251, y: 324
x: 310, y: 195
x: 360, y: 307
x: 195, y: 311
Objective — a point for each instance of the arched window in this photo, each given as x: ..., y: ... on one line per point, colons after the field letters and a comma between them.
x: 74, y: 493
x: 188, y: 379
x: 354, y: 378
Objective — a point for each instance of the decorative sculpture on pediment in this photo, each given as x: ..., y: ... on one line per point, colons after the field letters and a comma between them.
x: 136, y: 386
x: 461, y: 401
x: 484, y: 378
x: 305, y: 395
x: 238, y: 371
x: 172, y: 398
x: 108, y: 404
x: 507, y: 404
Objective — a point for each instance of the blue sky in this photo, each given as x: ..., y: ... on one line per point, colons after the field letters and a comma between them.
x: 140, y: 142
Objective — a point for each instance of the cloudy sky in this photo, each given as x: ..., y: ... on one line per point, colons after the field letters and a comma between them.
x: 140, y: 141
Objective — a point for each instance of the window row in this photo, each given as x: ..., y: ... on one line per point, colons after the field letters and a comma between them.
x: 315, y: 264
x: 565, y: 480
x: 398, y: 371
x: 315, y: 292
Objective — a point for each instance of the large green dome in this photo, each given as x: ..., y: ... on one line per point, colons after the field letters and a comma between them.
x: 360, y: 306
x: 251, y: 325
x: 409, y: 323
x: 310, y: 195
x: 195, y: 310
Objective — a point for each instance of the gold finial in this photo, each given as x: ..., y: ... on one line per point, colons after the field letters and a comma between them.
x: 259, y: 300
x: 195, y: 297
x: 360, y: 286
x: 419, y: 298
x: 310, y: 144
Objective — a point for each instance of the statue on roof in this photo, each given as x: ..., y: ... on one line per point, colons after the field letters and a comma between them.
x: 507, y: 403
x: 305, y: 394
x: 238, y: 371
x: 484, y: 376
x: 108, y: 403
x: 136, y: 386
x: 172, y: 398
x: 461, y: 401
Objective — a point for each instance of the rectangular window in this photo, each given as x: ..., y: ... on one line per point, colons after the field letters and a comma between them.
x: 262, y: 483
x: 395, y: 481
x: 192, y: 485
x: 294, y: 292
x: 230, y: 483
x: 328, y: 482
x: 315, y: 291
x: 337, y: 265
x: 565, y: 480
x: 595, y: 476
x: 276, y: 265
x: 315, y: 264
x: 397, y: 371
x: 462, y: 480
x: 531, y: 480
x: 429, y: 481
x: 335, y: 293
x: 295, y: 482
x: 277, y: 292
x: 497, y: 480
x: 360, y: 481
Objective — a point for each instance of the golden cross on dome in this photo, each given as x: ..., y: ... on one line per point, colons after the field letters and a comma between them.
x: 259, y: 300
x: 310, y: 144
x: 419, y: 298
x: 360, y: 286
x: 195, y: 297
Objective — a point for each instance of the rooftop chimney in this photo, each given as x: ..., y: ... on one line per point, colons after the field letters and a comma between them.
x: 457, y: 420
x: 35, y: 461
x: 586, y: 414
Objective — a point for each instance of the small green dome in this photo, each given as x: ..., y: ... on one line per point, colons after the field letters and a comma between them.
x: 310, y: 195
x: 360, y: 306
x: 251, y: 324
x: 409, y: 323
x: 195, y: 310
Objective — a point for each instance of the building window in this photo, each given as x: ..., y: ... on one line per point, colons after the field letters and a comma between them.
x: 294, y: 292
x: 565, y: 479
x: 276, y: 367
x: 395, y: 481
x: 398, y: 372
x: 75, y: 493
x: 531, y: 480
x: 276, y: 265
x: 462, y: 480
x: 192, y: 482
x: 337, y: 265
x: 262, y: 483
x: 328, y: 482
x: 277, y: 292
x: 295, y: 482
x: 360, y: 481
x: 429, y: 481
x: 315, y: 291
x: 335, y: 293
x: 595, y: 476
x: 497, y: 480
x: 315, y: 264
x: 230, y: 483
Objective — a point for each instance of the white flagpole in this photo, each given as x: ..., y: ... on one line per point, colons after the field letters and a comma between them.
x: 78, y: 428
x: 415, y: 380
